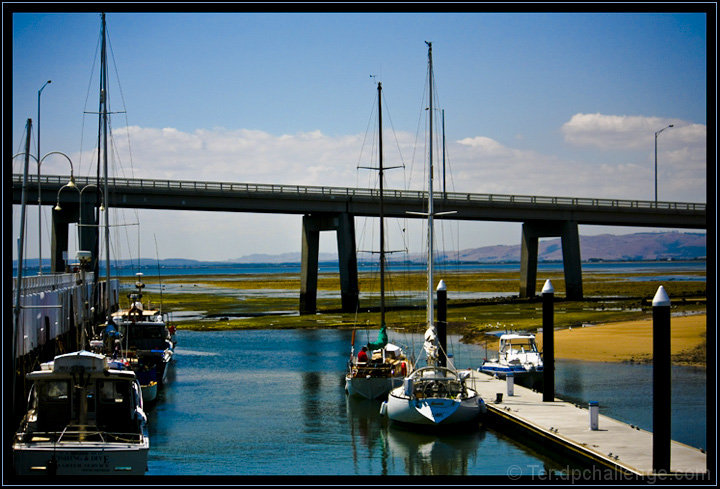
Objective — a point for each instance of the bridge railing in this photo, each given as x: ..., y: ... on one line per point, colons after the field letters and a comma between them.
x: 294, y: 190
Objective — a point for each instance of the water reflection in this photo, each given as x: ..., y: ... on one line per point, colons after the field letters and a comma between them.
x: 435, y: 454
x: 367, y: 429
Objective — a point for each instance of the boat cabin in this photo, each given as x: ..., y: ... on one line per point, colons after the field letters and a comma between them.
x: 516, y: 343
x: 77, y: 395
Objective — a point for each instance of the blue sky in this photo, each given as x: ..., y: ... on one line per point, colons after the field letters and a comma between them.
x: 535, y: 103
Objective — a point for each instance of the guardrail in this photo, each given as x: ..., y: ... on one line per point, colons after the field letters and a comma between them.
x: 40, y: 283
x: 302, y: 190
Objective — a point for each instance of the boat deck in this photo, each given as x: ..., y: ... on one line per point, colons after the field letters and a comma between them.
x: 615, y: 445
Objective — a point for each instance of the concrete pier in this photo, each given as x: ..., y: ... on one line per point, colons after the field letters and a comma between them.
x: 344, y: 225
x: 615, y: 446
x: 568, y: 232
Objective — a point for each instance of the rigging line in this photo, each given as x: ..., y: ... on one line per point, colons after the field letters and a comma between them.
x: 392, y: 127
x: 157, y: 255
x: 124, y: 104
x: 417, y: 136
x: 87, y: 97
x: 367, y: 130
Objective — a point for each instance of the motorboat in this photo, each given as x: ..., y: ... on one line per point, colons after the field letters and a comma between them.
x: 143, y: 339
x: 83, y: 418
x: 517, y: 354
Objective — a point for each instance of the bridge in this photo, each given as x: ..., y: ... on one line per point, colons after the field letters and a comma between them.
x: 333, y: 209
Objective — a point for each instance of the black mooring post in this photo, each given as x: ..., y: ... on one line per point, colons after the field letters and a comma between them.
x: 661, y: 381
x: 548, y: 300
x: 441, y: 325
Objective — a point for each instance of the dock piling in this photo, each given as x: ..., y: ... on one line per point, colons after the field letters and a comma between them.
x: 661, y: 382
x: 548, y: 300
x: 441, y: 324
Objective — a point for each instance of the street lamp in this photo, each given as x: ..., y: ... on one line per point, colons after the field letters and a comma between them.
x: 71, y: 183
x: 58, y: 208
x: 39, y: 198
x: 656, y: 135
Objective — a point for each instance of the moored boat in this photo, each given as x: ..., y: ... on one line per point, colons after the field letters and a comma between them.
x: 145, y: 339
x: 517, y: 355
x: 434, y: 395
x: 83, y: 418
x: 372, y: 375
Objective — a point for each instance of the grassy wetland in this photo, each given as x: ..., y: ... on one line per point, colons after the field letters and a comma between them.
x: 479, y: 302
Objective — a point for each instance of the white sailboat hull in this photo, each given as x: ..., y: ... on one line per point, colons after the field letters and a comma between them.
x: 81, y: 458
x: 371, y: 388
x: 432, y: 411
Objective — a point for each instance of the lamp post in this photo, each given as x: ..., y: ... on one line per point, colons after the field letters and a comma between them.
x: 80, y: 220
x: 656, y: 135
x: 71, y: 183
x: 39, y: 193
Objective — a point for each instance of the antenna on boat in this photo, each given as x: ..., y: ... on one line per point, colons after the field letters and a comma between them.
x: 157, y: 255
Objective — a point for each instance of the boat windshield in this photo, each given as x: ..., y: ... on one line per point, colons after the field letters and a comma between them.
x: 526, y: 345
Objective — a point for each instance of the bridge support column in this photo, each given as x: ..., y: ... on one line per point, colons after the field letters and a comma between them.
x: 59, y: 241
x: 568, y: 232
x: 87, y: 233
x: 344, y: 225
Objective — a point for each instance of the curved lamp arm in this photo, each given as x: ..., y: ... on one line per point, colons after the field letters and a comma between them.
x: 72, y: 178
x: 71, y: 183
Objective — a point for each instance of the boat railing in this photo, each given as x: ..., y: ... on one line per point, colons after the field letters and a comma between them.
x: 79, y: 435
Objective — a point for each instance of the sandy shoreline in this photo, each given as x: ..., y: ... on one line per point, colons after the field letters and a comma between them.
x: 630, y: 341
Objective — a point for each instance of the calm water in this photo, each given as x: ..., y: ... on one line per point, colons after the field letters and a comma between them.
x: 675, y: 269
x: 273, y: 403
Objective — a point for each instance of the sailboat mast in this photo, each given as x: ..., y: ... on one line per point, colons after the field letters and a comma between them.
x: 429, y: 305
x: 443, y: 155
x: 104, y: 116
x: 382, y: 210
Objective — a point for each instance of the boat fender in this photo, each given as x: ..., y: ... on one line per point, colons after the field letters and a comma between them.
x: 408, y: 386
x: 139, y: 415
x: 403, y: 369
x: 383, y: 408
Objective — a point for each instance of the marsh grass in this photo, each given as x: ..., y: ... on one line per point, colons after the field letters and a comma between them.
x: 225, y: 302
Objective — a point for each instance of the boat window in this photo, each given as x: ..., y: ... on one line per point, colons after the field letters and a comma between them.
x: 54, y: 390
x: 111, y: 391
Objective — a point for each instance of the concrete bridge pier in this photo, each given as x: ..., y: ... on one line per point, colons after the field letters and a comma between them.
x: 344, y: 225
x: 568, y: 232
x: 87, y: 234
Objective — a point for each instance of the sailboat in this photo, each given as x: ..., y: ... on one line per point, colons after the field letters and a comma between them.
x: 374, y: 374
x: 84, y: 415
x: 437, y: 394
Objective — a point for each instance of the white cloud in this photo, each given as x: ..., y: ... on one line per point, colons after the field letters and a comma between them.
x: 478, y: 164
x: 623, y: 132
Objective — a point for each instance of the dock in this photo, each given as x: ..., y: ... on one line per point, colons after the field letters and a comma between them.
x: 614, y: 445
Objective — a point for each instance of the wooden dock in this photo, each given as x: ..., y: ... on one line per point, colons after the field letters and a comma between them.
x: 614, y: 445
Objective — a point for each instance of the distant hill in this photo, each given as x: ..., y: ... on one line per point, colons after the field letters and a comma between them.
x: 638, y: 246
x: 672, y: 245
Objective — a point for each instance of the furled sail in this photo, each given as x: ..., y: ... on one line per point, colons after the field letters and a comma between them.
x: 382, y: 339
x: 430, y: 345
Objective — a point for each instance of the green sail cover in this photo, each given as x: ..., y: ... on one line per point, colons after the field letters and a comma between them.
x: 382, y: 339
